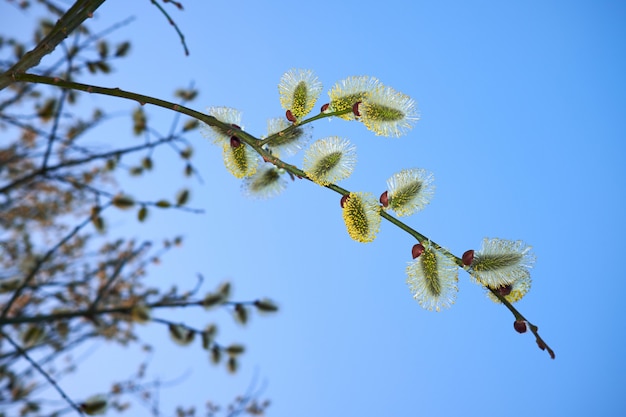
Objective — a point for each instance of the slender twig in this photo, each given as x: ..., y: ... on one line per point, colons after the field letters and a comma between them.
x: 171, y: 22
x: 251, y: 393
x: 89, y: 312
x: 53, y: 131
x: 59, y: 110
x: 290, y: 129
x: 42, y: 372
x: 519, y: 317
x: 116, y: 273
x: 39, y: 264
x: 112, y: 196
x: 79, y: 161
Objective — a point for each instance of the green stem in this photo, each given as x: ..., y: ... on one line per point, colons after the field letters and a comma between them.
x: 288, y: 130
x: 171, y: 22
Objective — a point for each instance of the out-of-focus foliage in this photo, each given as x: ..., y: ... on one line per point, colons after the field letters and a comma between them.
x: 64, y: 279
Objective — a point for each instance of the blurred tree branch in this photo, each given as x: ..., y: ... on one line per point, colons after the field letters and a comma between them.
x: 65, y: 280
x: 80, y: 11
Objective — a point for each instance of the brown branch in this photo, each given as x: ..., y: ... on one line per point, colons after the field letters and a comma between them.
x: 70, y: 21
x: 90, y: 312
x: 39, y: 369
x: 74, y: 162
x: 39, y: 264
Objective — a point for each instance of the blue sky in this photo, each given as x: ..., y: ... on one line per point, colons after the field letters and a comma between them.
x: 522, y: 108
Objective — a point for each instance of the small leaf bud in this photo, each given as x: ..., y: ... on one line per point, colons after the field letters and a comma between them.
x: 232, y: 365
x: 206, y: 340
x: 139, y: 313
x: 344, y: 199
x: 266, y: 306
x: 142, y: 213
x: 94, y: 405
x: 224, y: 289
x: 181, y: 335
x: 122, y: 201
x: 212, y: 299
x: 289, y: 115
x: 324, y: 108
x: 241, y: 314
x: 355, y: 109
x: 216, y: 354
x: 234, y: 350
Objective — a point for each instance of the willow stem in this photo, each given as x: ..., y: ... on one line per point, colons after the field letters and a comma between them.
x: 321, y: 115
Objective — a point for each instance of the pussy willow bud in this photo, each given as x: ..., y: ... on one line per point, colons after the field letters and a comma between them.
x: 505, y: 290
x: 520, y: 326
x: 417, y: 250
x: 468, y: 257
x: 384, y: 199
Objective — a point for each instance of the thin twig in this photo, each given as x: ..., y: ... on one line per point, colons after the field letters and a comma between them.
x: 41, y: 261
x: 43, y: 373
x: 116, y: 273
x: 171, y: 22
x: 80, y: 161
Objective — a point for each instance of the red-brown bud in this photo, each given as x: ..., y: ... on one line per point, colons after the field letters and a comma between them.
x: 417, y: 250
x: 344, y: 199
x: 235, y: 142
x: 520, y: 326
x: 384, y: 199
x: 468, y: 257
x: 355, y: 109
x: 290, y: 116
x: 324, y: 107
x: 505, y: 290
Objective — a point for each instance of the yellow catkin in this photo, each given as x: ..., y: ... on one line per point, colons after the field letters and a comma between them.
x: 361, y: 216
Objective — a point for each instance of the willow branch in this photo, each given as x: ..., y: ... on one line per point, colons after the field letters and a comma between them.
x: 70, y: 21
x: 257, y: 145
